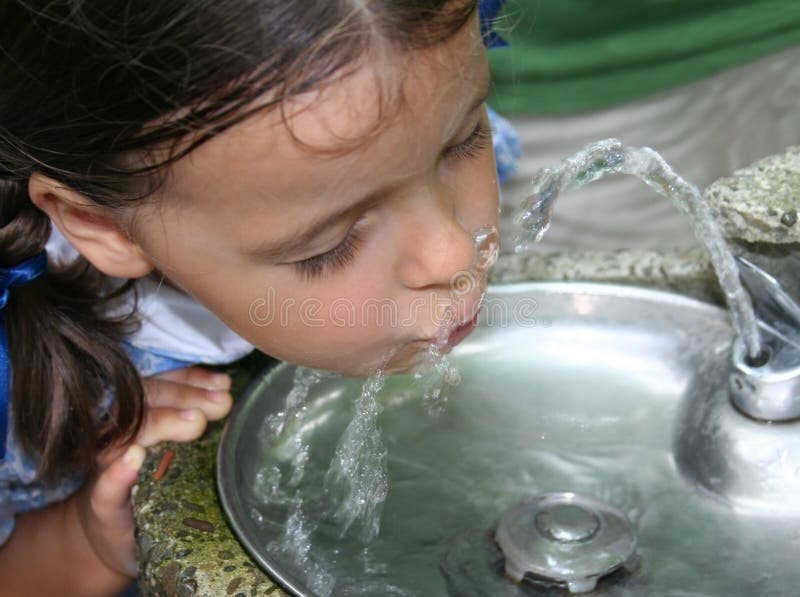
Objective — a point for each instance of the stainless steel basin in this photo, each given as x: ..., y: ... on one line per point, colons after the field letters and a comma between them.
x: 609, y: 391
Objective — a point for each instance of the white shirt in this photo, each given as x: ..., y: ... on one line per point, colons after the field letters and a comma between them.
x: 173, y: 324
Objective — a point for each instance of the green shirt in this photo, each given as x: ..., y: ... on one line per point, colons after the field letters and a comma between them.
x: 575, y: 55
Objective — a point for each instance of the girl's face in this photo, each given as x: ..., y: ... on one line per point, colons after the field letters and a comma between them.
x: 338, y: 260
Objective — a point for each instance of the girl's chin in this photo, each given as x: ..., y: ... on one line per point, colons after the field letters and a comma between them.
x: 413, y: 357
x: 406, y: 359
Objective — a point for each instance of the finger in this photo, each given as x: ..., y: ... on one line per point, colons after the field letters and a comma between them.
x: 169, y: 424
x: 198, y: 377
x: 162, y: 393
x: 110, y: 507
x: 112, y: 490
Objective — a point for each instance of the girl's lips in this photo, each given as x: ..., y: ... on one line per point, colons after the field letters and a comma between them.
x: 461, y: 332
x: 457, y: 334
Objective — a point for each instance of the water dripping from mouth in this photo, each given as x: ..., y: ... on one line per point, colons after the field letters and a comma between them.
x: 357, y: 479
x: 438, y: 376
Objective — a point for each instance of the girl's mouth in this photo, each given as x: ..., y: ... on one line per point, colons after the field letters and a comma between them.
x: 461, y: 332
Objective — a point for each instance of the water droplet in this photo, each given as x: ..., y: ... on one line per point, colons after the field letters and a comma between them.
x: 487, y: 247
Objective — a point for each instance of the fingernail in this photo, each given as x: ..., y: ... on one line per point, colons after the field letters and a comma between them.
x: 134, y: 457
x: 132, y: 568
x: 190, y: 414
x: 220, y: 381
x: 216, y: 395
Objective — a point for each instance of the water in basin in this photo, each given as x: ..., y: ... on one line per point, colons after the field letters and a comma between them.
x: 596, y: 389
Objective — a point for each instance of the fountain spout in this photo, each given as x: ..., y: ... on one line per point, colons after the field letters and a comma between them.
x: 766, y: 379
x: 769, y: 388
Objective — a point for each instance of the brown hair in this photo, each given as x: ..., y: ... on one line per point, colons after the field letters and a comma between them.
x: 85, y: 83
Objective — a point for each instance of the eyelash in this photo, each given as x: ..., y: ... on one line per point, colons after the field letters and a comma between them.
x: 479, y: 139
x: 342, y: 254
x: 338, y: 257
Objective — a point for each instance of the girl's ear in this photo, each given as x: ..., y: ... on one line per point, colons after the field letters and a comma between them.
x: 96, y: 235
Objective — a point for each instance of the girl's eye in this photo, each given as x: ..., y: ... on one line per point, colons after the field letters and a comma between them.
x: 479, y: 139
x: 342, y: 254
x: 337, y: 258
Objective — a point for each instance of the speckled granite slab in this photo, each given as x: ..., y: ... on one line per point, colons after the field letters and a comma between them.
x: 687, y: 271
x: 186, y: 547
x: 758, y: 208
x: 760, y: 203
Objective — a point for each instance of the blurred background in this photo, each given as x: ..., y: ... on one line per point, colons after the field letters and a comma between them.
x: 711, y: 85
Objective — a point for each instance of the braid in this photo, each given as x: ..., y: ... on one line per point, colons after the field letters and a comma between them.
x: 65, y: 351
x: 25, y: 229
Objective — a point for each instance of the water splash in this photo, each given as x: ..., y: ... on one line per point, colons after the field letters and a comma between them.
x: 295, y: 540
x: 304, y: 379
x: 294, y: 545
x: 610, y: 157
x: 357, y: 480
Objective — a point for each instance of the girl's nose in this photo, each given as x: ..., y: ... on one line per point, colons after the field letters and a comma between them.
x: 437, y: 248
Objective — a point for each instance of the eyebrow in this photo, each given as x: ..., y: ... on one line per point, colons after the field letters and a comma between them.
x: 298, y: 241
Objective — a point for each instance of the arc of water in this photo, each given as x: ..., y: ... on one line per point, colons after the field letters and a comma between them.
x: 611, y: 156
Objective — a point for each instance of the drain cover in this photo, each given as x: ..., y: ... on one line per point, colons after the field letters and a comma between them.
x: 565, y: 538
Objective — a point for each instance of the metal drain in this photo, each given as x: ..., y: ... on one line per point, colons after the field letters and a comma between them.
x: 565, y: 538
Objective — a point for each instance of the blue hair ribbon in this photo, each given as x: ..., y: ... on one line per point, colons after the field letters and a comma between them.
x: 18, y: 275
x: 488, y: 11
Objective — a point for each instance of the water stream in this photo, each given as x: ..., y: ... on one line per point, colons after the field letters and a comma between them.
x: 610, y: 157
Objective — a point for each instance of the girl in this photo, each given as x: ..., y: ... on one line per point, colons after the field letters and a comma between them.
x: 284, y: 164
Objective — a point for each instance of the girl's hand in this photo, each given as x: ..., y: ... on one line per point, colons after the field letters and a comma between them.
x: 178, y: 405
